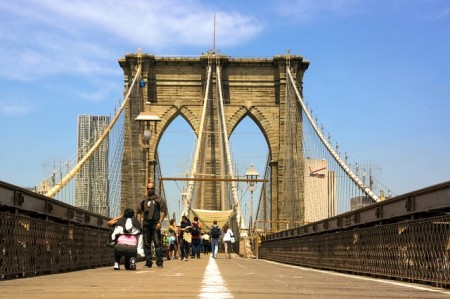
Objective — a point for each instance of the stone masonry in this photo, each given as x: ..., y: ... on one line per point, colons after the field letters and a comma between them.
x: 254, y: 87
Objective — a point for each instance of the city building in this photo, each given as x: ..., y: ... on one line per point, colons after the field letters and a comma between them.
x: 361, y: 201
x: 43, y: 187
x: 320, y: 191
x: 91, y: 190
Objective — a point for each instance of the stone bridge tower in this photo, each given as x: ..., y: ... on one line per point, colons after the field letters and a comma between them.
x: 254, y: 87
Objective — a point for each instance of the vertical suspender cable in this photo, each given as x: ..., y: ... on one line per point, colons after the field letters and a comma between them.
x: 344, y: 166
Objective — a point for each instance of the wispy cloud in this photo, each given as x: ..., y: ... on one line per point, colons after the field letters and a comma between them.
x: 442, y: 14
x: 311, y: 10
x: 14, y: 110
x: 99, y: 91
x: 85, y: 37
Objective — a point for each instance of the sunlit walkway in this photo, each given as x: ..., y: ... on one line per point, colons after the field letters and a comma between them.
x: 213, y: 278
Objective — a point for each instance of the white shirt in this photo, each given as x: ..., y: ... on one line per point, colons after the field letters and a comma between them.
x: 227, y: 236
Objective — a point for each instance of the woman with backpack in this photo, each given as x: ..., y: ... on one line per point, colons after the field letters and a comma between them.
x: 196, y: 232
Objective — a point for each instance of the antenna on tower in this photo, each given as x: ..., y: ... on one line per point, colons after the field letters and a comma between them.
x: 214, y: 41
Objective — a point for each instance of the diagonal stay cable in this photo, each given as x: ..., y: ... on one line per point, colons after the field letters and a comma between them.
x: 237, y: 206
x: 195, y: 164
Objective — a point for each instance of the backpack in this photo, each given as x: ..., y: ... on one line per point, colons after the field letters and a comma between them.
x: 195, y: 230
x: 215, y: 232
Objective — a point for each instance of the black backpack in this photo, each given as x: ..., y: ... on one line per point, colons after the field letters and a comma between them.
x: 215, y: 231
x: 195, y: 230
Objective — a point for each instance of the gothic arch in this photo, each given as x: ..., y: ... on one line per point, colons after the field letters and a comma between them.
x: 172, y: 113
x: 260, y: 120
x: 254, y: 87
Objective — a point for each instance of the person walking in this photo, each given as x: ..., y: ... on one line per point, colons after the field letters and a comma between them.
x: 173, y: 242
x: 214, y: 234
x: 228, y: 236
x: 151, y: 211
x: 196, y: 233
x: 185, y: 226
x: 206, y: 243
x: 126, y: 232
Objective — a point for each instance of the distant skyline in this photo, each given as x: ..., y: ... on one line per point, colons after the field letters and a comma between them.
x: 379, y: 78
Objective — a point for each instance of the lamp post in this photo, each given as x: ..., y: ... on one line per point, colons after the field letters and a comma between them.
x: 252, y: 176
x: 147, y: 126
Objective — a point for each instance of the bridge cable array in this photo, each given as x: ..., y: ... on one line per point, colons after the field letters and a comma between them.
x: 325, y: 142
x: 226, y: 162
x: 57, y: 188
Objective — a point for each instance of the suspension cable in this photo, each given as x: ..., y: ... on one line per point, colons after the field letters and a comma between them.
x: 237, y: 206
x: 188, y: 201
x: 330, y: 149
x: 52, y: 192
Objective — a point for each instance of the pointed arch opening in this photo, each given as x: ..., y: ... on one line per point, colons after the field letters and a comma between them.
x: 248, y: 146
x: 175, y: 149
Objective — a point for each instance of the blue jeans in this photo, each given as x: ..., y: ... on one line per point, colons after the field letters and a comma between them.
x: 184, y: 248
x: 196, y: 246
x: 215, y: 246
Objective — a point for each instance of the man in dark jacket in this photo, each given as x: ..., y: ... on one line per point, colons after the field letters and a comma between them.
x: 152, y: 210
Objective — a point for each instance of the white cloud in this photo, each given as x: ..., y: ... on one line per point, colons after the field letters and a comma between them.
x: 155, y: 24
x: 441, y: 14
x: 310, y: 10
x: 14, y: 110
x: 78, y: 37
x: 102, y: 91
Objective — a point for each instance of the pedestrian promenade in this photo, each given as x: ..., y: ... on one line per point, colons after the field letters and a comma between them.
x: 213, y: 278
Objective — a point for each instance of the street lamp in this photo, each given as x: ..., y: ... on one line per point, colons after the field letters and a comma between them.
x: 252, y: 176
x: 147, y: 126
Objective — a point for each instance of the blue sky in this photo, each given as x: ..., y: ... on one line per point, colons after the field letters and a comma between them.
x: 379, y: 78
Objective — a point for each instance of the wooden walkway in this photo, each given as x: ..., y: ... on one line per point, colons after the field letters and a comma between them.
x: 213, y: 278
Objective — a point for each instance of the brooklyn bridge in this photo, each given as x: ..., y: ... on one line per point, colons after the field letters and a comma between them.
x: 320, y: 226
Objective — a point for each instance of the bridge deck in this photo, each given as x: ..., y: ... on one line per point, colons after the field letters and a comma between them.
x: 209, y: 278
